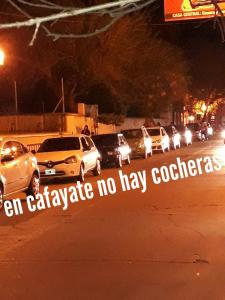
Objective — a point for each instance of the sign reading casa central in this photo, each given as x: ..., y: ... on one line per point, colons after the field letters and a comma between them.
x: 175, y: 10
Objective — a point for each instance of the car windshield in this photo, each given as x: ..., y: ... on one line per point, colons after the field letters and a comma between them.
x: 60, y: 144
x: 132, y: 133
x: 105, y: 140
x: 153, y: 131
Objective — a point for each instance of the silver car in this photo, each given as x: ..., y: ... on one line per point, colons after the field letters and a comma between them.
x: 139, y: 141
x: 18, y: 169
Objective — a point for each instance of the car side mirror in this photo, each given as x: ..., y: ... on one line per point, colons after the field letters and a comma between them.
x: 7, y: 158
x: 33, y: 151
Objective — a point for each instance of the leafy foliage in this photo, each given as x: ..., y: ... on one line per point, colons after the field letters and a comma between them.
x: 126, y: 70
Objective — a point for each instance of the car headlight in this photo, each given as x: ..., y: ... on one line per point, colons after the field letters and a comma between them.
x: 188, y: 134
x: 70, y: 160
x: 210, y: 131
x: 223, y: 134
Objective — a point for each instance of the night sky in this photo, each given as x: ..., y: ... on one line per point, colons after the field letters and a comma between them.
x: 202, y: 44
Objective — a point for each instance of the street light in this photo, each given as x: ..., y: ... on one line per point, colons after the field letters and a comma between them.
x: 2, y: 57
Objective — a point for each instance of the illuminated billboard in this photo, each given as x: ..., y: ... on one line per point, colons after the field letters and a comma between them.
x: 175, y: 10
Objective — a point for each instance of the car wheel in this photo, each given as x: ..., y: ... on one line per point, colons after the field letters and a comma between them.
x: 97, y: 169
x: 1, y: 197
x: 80, y: 177
x: 119, y: 162
x: 150, y: 153
x: 34, y: 186
x: 128, y: 160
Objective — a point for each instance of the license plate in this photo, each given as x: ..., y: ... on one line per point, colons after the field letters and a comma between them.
x: 50, y: 172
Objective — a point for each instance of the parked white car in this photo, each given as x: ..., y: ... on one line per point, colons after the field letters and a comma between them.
x: 68, y: 156
x: 139, y: 141
x: 185, y: 135
x: 160, y: 139
x: 18, y: 169
x: 174, y: 136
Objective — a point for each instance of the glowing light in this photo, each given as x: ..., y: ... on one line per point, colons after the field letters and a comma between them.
x: 191, y: 118
x: 2, y: 57
x: 204, y: 108
x: 188, y: 135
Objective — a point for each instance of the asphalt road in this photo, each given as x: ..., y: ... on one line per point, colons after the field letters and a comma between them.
x: 165, y: 243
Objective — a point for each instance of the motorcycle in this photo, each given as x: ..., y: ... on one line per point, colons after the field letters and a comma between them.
x: 204, y: 135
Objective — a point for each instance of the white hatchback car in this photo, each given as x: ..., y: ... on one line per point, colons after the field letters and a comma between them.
x: 68, y: 156
x: 18, y: 169
x: 174, y: 136
x: 160, y: 139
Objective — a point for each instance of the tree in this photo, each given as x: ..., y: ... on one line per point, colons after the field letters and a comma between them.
x: 125, y: 69
x: 128, y: 68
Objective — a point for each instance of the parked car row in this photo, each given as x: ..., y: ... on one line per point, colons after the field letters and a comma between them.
x: 21, y: 170
x: 74, y: 156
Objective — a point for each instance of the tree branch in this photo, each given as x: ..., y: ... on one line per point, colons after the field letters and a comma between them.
x: 115, y: 10
x: 71, y: 13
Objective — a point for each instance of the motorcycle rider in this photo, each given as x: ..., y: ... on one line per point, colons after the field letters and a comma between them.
x: 204, y: 131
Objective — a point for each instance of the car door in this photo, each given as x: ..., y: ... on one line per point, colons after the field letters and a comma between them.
x: 23, y: 164
x: 86, y: 154
x: 93, y: 153
x: 10, y: 168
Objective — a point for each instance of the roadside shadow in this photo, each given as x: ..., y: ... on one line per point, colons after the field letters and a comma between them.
x: 17, y: 219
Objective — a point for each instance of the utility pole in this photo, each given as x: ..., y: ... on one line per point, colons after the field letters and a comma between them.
x: 63, y: 106
x: 63, y: 96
